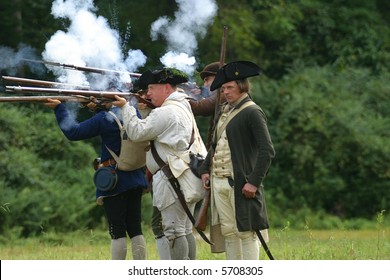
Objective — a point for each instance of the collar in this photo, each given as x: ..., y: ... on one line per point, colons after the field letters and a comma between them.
x: 243, y: 99
x: 234, y: 105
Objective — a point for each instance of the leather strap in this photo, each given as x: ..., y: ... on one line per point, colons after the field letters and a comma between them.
x: 231, y: 115
x: 176, y: 187
x: 108, y: 162
x: 115, y: 156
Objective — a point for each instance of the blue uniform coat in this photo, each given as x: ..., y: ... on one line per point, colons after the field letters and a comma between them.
x: 101, y: 124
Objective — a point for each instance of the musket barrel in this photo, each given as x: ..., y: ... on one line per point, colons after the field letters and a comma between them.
x: 95, y: 93
x: 223, y: 46
x: 42, y: 83
x: 83, y: 68
x: 78, y: 99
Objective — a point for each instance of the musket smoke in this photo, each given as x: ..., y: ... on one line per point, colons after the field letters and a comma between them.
x: 11, y: 60
x: 191, y: 21
x: 88, y: 41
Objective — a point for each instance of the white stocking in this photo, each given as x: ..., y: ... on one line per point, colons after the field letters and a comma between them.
x: 162, y: 244
x: 138, y: 247
x: 118, y: 249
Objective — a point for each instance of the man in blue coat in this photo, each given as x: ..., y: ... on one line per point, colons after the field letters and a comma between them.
x: 122, y: 204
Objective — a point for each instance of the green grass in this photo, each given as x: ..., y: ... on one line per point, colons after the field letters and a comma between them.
x: 285, y: 244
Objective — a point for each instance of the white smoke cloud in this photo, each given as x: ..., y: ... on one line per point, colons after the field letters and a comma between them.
x: 88, y: 41
x: 65, y: 8
x: 11, y: 60
x: 134, y: 60
x: 179, y: 60
x: 191, y: 20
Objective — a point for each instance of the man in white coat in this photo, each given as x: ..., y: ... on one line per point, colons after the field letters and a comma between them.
x: 170, y: 126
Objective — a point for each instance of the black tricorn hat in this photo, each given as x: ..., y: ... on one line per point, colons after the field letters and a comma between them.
x: 209, y: 70
x: 163, y: 76
x: 233, y: 71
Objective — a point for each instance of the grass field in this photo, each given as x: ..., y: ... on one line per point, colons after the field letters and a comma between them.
x: 285, y: 244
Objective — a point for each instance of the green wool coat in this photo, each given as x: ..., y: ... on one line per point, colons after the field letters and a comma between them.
x: 252, y: 152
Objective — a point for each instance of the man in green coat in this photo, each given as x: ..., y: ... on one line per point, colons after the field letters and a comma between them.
x: 237, y: 163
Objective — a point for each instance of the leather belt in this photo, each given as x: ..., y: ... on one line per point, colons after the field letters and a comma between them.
x: 108, y: 162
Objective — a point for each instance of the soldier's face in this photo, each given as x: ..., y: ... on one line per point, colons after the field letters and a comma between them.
x: 157, y: 93
x: 231, y: 91
x: 207, y: 81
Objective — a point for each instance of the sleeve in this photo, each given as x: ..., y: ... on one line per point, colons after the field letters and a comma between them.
x: 266, y: 150
x: 72, y: 129
x: 144, y: 129
x: 204, y: 107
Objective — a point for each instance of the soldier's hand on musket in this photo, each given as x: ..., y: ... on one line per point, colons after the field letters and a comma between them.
x: 206, y: 181
x: 119, y: 102
x: 52, y: 103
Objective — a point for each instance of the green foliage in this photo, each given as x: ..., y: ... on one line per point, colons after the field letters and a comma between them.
x: 279, y: 34
x: 46, y: 181
x: 27, y: 21
x: 331, y: 139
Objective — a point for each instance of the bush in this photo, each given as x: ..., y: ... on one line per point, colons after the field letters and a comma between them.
x: 330, y: 130
x: 46, y: 181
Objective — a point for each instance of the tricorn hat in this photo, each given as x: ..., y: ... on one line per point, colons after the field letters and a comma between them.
x: 163, y: 76
x: 209, y: 70
x: 235, y: 71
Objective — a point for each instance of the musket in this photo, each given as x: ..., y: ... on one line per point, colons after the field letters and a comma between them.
x: 62, y: 98
x: 95, y: 93
x: 83, y: 68
x: 223, y: 47
x: 107, y: 95
x: 33, y: 82
x: 201, y: 221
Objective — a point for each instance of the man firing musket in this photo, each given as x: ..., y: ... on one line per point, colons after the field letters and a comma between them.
x: 119, y: 176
